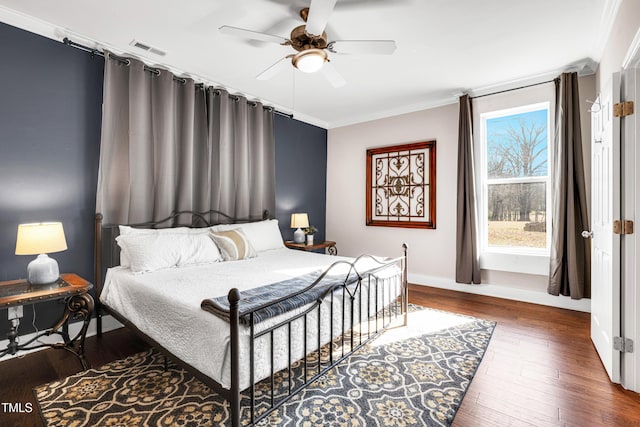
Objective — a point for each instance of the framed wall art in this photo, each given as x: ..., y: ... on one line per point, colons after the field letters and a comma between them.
x: 401, y: 185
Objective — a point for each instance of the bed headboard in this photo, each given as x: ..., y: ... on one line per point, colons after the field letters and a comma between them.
x: 107, y: 251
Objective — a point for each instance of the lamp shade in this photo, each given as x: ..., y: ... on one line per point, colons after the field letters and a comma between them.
x: 299, y: 220
x: 40, y: 238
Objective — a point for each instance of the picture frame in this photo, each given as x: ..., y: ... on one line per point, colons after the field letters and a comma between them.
x: 401, y: 185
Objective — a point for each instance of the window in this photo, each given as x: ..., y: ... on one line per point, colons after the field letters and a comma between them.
x: 514, y: 212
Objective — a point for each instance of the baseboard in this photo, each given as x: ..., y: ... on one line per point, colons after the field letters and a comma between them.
x: 108, y: 324
x: 499, y: 291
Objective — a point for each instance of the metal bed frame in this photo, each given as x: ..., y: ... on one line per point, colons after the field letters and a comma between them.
x: 315, y: 363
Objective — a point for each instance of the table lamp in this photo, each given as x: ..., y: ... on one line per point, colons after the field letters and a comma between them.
x: 40, y: 239
x: 299, y: 220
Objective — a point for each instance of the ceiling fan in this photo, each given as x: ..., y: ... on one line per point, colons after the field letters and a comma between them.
x: 311, y: 42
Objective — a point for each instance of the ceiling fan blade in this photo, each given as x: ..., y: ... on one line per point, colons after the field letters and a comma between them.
x: 334, y: 77
x: 362, y: 47
x: 274, y: 69
x: 253, y: 35
x: 319, y: 12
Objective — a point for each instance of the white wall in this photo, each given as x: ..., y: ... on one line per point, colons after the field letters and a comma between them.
x: 431, y: 252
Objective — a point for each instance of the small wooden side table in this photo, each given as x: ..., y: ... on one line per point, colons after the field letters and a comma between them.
x: 328, y: 245
x: 71, y: 288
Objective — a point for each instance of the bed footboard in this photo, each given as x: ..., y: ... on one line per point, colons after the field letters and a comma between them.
x: 365, y: 307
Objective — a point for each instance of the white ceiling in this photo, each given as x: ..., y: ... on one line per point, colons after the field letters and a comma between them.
x: 444, y: 47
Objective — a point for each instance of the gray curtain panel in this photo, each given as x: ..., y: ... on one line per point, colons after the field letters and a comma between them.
x: 570, y: 266
x: 241, y: 138
x: 168, y: 144
x: 467, y: 268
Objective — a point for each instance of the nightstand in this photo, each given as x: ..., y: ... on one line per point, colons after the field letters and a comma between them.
x: 70, y: 288
x: 328, y: 245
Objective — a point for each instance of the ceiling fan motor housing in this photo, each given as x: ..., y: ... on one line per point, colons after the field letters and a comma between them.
x: 301, y: 40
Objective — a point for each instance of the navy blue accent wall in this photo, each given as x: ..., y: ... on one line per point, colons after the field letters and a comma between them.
x: 301, y: 173
x: 50, y: 116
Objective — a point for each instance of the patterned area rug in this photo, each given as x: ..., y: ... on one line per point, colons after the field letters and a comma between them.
x: 414, y: 376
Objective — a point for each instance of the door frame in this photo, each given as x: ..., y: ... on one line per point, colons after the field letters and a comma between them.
x: 630, y: 210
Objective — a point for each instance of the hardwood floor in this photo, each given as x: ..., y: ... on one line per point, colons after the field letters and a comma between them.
x: 540, y: 368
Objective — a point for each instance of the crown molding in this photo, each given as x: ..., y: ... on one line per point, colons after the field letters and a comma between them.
x: 405, y: 109
x: 28, y: 23
x: 584, y: 67
x: 605, y: 26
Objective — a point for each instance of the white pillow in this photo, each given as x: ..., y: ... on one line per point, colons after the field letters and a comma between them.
x: 153, y: 251
x: 126, y: 229
x: 233, y: 244
x: 263, y: 235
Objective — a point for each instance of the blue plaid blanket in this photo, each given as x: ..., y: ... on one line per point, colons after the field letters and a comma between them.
x: 284, y: 294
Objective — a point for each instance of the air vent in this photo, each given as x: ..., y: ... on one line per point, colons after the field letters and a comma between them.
x: 147, y: 48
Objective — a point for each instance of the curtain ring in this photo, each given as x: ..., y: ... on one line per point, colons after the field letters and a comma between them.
x: 152, y: 70
x: 125, y: 61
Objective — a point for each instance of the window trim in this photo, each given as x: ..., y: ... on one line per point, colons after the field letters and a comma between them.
x: 513, y: 258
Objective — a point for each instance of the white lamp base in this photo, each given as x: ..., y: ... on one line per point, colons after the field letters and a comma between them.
x: 43, y: 270
x: 298, y: 236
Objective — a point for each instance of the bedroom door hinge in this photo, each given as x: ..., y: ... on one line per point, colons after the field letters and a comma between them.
x: 622, y: 109
x: 624, y: 345
x: 622, y: 227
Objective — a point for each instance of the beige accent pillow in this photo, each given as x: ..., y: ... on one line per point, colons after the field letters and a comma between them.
x: 233, y: 244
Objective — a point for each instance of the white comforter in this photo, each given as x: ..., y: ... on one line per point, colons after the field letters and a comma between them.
x: 165, y: 305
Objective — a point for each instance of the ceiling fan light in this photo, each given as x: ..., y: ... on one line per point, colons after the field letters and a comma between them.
x: 310, y: 60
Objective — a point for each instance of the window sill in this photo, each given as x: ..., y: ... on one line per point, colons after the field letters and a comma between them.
x: 515, y: 263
